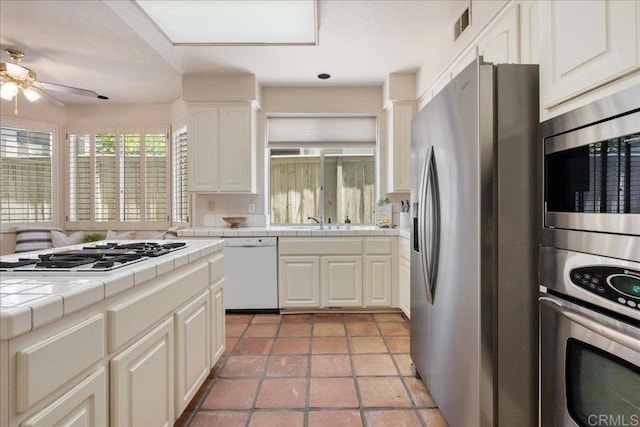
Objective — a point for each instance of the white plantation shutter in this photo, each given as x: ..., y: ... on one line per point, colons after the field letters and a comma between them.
x: 26, y: 175
x: 130, y: 178
x: 80, y: 177
x: 180, y: 194
x: 155, y: 179
x: 105, y: 178
x: 119, y: 177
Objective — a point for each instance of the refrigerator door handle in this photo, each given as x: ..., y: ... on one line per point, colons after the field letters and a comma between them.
x: 422, y: 225
x: 433, y: 255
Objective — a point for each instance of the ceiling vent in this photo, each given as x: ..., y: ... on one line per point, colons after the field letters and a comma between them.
x: 461, y: 24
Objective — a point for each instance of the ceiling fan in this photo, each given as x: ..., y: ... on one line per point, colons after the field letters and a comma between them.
x: 15, y: 78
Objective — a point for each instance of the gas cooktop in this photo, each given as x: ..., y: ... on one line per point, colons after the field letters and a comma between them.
x: 97, y: 258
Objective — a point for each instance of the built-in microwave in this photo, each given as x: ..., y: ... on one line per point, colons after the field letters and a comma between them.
x: 591, y: 176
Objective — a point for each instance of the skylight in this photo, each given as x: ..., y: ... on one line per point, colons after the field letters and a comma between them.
x: 239, y: 22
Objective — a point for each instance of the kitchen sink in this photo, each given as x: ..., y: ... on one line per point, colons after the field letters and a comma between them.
x: 304, y: 227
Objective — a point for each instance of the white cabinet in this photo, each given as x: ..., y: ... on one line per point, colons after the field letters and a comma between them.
x: 334, y: 272
x: 299, y: 281
x: 192, y: 323
x: 84, y: 405
x: 341, y: 281
x: 217, y: 321
x: 221, y: 148
x: 399, y: 115
x: 142, y: 380
x: 377, y: 280
x: 404, y: 276
x: 501, y: 43
x: 586, y: 44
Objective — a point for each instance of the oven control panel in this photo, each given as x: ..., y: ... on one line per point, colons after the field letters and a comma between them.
x: 614, y: 283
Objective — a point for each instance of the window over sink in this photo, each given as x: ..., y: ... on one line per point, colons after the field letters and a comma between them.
x: 322, y: 168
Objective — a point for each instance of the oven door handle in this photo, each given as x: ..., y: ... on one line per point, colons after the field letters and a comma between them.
x: 611, y: 329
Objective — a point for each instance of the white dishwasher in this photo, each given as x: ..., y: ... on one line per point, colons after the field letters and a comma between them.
x: 251, y: 273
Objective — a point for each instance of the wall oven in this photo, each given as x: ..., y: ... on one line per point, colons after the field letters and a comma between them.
x: 589, y: 265
x: 589, y: 340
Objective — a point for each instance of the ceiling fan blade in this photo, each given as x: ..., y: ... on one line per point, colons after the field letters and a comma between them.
x: 69, y: 89
x: 49, y: 99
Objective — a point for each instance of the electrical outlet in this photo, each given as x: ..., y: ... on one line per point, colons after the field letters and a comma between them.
x: 252, y: 207
x: 210, y: 206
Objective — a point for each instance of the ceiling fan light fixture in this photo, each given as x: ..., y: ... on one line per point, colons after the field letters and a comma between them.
x: 30, y: 94
x: 8, y: 91
x: 17, y: 71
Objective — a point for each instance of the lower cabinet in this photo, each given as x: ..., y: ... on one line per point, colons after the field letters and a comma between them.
x: 193, y: 361
x: 341, y: 281
x: 377, y: 281
x: 336, y: 272
x: 404, y: 276
x: 216, y: 293
x: 83, y: 405
x: 299, y: 281
x: 142, y: 380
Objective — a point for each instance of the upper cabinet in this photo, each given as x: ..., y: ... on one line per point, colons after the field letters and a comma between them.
x: 584, y: 46
x: 222, y: 148
x: 399, y: 115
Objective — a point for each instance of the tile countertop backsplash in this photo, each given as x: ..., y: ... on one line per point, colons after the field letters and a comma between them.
x: 287, y: 231
x: 33, y: 299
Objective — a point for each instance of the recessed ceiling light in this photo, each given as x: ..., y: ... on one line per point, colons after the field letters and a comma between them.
x: 234, y: 22
x: 324, y: 76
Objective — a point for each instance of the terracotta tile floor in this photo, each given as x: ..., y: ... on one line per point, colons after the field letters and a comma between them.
x: 314, y: 370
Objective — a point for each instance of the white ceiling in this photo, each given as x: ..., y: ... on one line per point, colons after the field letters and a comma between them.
x: 112, y: 48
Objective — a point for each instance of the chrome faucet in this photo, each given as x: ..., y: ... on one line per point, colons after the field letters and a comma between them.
x: 318, y: 220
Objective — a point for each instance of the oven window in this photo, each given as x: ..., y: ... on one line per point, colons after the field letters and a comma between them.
x: 603, y: 177
x: 602, y: 389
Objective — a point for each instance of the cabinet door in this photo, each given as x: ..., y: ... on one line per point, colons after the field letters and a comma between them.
x: 235, y: 148
x: 299, y: 281
x: 84, y: 405
x: 341, y: 281
x: 404, y: 283
x: 142, y: 379
x: 203, y: 149
x: 217, y: 322
x: 404, y: 276
x: 501, y: 44
x: 399, y: 143
x: 585, y: 44
x: 377, y: 280
x: 192, y: 324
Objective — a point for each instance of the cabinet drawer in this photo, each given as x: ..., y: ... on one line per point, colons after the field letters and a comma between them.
x: 134, y: 316
x: 51, y: 363
x: 320, y: 246
x: 377, y: 246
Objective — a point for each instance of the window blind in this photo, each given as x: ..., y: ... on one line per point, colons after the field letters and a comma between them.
x: 26, y: 173
x: 119, y: 176
x: 155, y: 178
x: 180, y: 194
x: 105, y: 178
x: 283, y: 132
x: 79, y: 177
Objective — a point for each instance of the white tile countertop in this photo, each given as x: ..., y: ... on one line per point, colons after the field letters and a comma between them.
x: 288, y: 231
x: 29, y: 300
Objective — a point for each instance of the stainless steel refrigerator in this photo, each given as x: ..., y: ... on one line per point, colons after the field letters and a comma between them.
x: 473, y: 268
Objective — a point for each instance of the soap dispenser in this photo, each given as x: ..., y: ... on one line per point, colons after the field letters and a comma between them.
x: 347, y: 223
